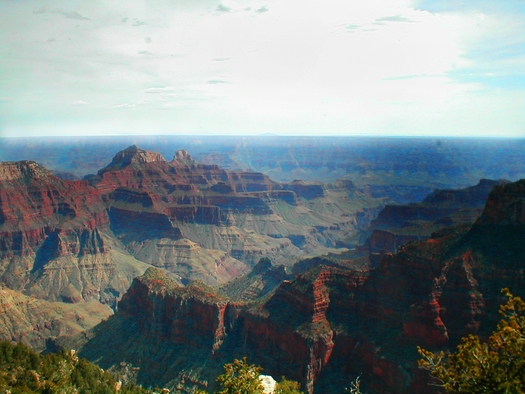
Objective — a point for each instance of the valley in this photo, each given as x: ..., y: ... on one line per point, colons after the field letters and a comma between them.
x: 318, y: 259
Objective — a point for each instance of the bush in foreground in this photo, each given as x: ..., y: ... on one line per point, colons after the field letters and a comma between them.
x: 239, y: 377
x: 494, y: 366
x: 24, y: 371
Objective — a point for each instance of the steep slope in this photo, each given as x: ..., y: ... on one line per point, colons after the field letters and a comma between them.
x: 201, y: 222
x: 398, y: 224
x: 261, y: 280
x: 170, y: 334
x: 197, y: 221
x: 77, y: 241
x: 33, y: 321
x: 330, y: 324
x: 55, y: 245
x: 53, y: 237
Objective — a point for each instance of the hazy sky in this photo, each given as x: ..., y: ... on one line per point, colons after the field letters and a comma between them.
x: 332, y: 67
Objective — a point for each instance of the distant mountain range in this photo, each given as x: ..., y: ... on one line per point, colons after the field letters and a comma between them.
x: 404, y: 169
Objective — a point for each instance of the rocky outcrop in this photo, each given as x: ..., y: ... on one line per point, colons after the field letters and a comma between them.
x: 53, y: 243
x: 505, y: 206
x: 243, y: 214
x: 166, y: 311
x: 331, y: 324
x: 305, y: 190
x: 262, y: 280
x: 197, y: 221
x: 33, y: 321
x: 294, y: 323
x: 434, y: 292
x: 289, y: 334
x: 399, y: 224
x: 135, y: 157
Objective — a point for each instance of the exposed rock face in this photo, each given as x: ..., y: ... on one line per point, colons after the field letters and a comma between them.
x: 236, y: 216
x: 167, y: 311
x: 263, y: 279
x: 79, y: 241
x: 134, y: 156
x: 32, y: 197
x: 73, y: 241
x: 32, y: 321
x: 294, y: 323
x: 330, y: 324
x: 290, y: 334
x: 52, y: 241
x: 505, y: 206
x: 398, y: 224
x: 198, y: 221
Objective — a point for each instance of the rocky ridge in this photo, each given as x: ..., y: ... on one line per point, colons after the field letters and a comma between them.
x: 168, y: 213
x: 85, y: 240
x: 396, y: 225
x: 331, y: 324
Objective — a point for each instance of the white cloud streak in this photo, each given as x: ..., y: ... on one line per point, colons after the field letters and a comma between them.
x: 375, y: 67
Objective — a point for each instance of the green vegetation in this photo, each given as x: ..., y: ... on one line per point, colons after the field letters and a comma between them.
x: 286, y: 386
x: 24, y: 371
x: 239, y: 377
x: 494, y: 366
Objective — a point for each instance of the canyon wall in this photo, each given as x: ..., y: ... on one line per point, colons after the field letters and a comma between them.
x: 331, y: 324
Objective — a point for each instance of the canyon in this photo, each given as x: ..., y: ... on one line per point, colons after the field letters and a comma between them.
x: 396, y: 225
x: 77, y: 241
x: 330, y: 324
x: 175, y: 267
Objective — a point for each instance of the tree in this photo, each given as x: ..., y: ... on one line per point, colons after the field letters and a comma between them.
x: 240, y: 378
x: 286, y: 386
x: 494, y: 366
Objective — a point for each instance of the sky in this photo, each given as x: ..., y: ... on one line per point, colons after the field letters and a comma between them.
x: 289, y: 67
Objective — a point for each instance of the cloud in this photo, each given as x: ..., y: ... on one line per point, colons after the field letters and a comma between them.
x: 279, y: 63
x: 229, y: 6
x: 137, y: 22
x: 123, y: 105
x: 59, y: 11
x: 394, y: 18
x: 165, y: 89
x: 223, y: 8
x: 262, y: 9
x: 79, y: 103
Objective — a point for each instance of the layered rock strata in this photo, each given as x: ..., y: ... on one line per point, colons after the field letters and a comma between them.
x: 396, y: 225
x: 331, y: 324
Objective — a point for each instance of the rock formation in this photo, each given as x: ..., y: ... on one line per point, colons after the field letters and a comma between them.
x: 170, y: 213
x: 330, y: 324
x: 85, y: 240
x: 54, y: 242
x: 33, y: 321
x: 396, y: 225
